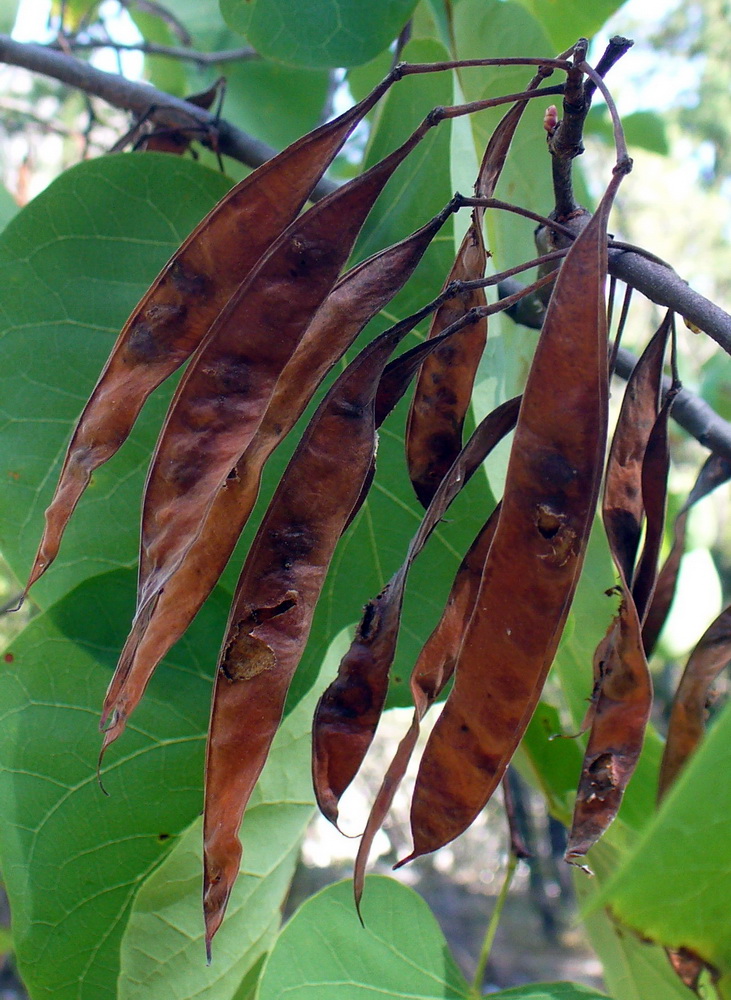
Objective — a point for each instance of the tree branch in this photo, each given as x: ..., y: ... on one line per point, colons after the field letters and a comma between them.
x: 142, y: 100
x: 153, y: 49
x: 689, y: 410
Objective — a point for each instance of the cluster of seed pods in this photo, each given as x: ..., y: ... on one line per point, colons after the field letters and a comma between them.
x: 256, y: 301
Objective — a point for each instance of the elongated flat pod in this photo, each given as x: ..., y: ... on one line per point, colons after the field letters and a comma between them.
x: 623, y: 508
x: 273, y: 606
x: 537, y: 553
x: 655, y: 469
x: 431, y: 674
x: 229, y: 383
x: 688, y: 712
x: 176, y: 313
x: 349, y: 711
x: 715, y: 471
x: 444, y: 387
x: 353, y: 302
x: 635, y: 490
x: 621, y: 711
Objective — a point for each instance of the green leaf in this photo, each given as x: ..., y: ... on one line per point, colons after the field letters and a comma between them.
x: 8, y: 13
x: 674, y: 887
x: 73, y: 264
x: 273, y: 102
x: 567, y: 20
x: 643, y: 129
x: 324, y: 954
x: 552, y: 991
x: 9, y: 207
x: 73, y: 859
x: 318, y: 33
x: 163, y: 954
x: 633, y: 969
x: 166, y: 74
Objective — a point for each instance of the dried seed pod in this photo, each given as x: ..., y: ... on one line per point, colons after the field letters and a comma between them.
x: 274, y: 602
x: 688, y: 713
x: 356, y: 298
x: 622, y: 697
x: 348, y: 712
x: 229, y: 383
x: 444, y: 388
x: 715, y: 471
x: 431, y: 674
x: 623, y: 508
x: 536, y: 555
x: 176, y: 312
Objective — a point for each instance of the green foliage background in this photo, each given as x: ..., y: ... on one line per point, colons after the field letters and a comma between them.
x: 105, y: 891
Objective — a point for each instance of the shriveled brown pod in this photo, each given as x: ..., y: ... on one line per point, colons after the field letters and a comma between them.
x: 444, y: 387
x: 537, y: 553
x: 356, y: 298
x: 274, y: 602
x: 349, y: 710
x: 655, y: 469
x: 431, y: 674
x: 715, y: 471
x: 689, y: 709
x: 622, y: 697
x: 623, y: 508
x: 177, y: 311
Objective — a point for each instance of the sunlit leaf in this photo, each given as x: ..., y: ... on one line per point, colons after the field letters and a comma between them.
x: 674, y: 886
x: 73, y: 859
x: 400, y: 952
x: 567, y: 20
x: 318, y: 32
x: 162, y: 952
x: 73, y: 266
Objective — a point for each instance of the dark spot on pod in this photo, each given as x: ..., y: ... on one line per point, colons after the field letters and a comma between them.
x: 162, y: 837
x: 184, y: 471
x: 232, y: 374
x: 370, y: 616
x: 351, y: 701
x: 292, y: 542
x: 442, y: 450
x: 446, y: 396
x: 548, y: 521
x: 306, y: 257
x: 142, y: 343
x: 446, y: 353
x: 348, y: 408
x: 9, y: 658
x: 188, y: 282
x: 554, y: 470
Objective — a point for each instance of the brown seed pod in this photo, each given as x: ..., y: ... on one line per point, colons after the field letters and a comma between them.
x: 176, y: 312
x: 356, y: 298
x: 536, y: 555
x: 348, y: 712
x: 274, y: 602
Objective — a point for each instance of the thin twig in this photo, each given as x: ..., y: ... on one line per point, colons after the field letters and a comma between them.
x: 492, y: 927
x: 153, y: 49
x: 142, y: 100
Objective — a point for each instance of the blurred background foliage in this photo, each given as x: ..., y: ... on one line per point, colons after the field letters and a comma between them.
x: 674, y: 92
